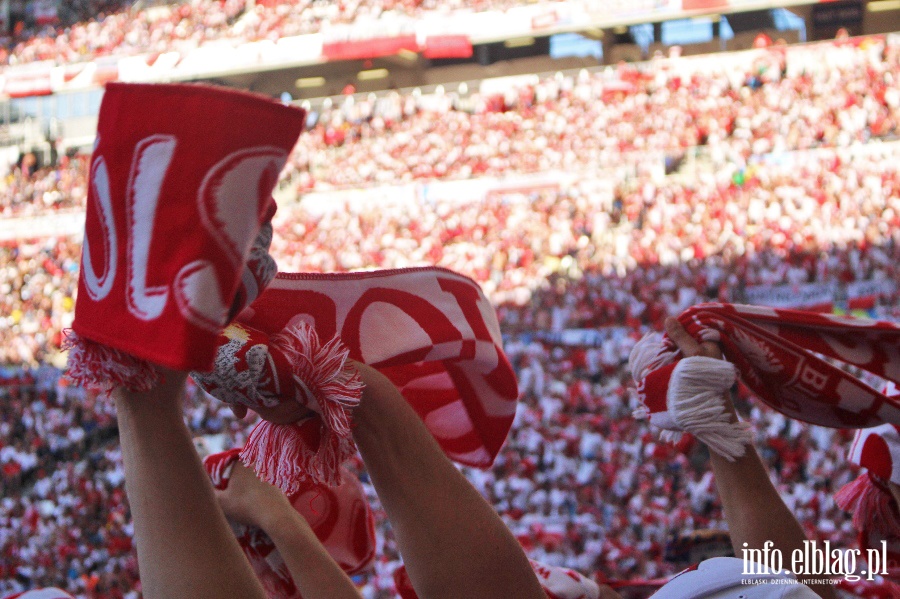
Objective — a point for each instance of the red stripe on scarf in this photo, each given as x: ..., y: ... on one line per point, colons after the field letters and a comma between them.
x: 774, y: 351
x: 418, y: 327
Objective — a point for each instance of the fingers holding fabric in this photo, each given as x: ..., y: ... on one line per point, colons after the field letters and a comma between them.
x: 688, y: 345
x: 248, y: 500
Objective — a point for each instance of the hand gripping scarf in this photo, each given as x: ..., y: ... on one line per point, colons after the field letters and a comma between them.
x: 868, y: 498
x: 775, y: 354
x: 176, y: 237
x: 339, y: 516
x: 558, y: 583
x: 259, y: 371
x: 429, y: 330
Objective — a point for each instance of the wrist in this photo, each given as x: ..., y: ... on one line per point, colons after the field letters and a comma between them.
x: 168, y: 390
x: 281, y: 523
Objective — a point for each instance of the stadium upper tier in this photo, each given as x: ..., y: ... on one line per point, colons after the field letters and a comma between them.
x: 113, y: 27
x: 727, y: 108
x: 214, y: 39
x: 771, y: 102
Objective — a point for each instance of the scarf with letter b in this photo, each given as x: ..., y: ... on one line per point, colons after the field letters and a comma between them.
x: 778, y: 355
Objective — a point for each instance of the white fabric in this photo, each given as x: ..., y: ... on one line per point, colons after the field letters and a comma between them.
x: 51, y: 593
x: 723, y: 578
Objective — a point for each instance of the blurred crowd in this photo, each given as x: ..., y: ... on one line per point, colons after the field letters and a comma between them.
x: 37, y: 292
x: 29, y: 189
x: 632, y: 248
x: 95, y: 28
x: 579, y: 480
x: 64, y: 517
x: 731, y: 109
x: 723, y: 113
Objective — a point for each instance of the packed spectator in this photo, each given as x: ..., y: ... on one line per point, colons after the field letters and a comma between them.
x: 796, y: 223
x: 94, y: 28
x: 574, y: 436
x: 578, y: 481
x: 604, y: 118
x: 728, y: 110
x: 29, y: 190
x: 725, y: 112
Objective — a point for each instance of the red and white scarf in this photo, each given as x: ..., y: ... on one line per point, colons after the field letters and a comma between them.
x: 175, y: 238
x: 339, y: 516
x: 774, y: 353
x: 431, y: 331
x: 868, y: 498
x: 256, y: 370
x: 558, y: 583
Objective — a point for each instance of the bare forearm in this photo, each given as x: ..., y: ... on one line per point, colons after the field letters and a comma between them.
x: 758, y: 516
x: 185, y: 547
x: 453, y: 543
x: 755, y: 511
x: 315, y: 573
x: 753, y: 508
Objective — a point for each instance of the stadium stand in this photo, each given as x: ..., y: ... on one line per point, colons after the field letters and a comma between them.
x: 788, y: 179
x: 97, y: 28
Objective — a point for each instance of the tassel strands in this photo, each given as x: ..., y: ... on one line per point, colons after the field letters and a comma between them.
x: 315, y: 448
x: 687, y: 395
x: 285, y: 455
x: 871, y: 503
x: 696, y: 403
x: 101, y: 368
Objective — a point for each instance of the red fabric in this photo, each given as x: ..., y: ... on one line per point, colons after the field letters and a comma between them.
x: 403, y: 584
x: 31, y: 84
x: 339, y: 516
x: 653, y: 387
x: 447, y: 46
x: 775, y: 354
x: 432, y: 332
x: 369, y: 48
x: 218, y: 467
x: 704, y: 4
x: 868, y: 498
x: 181, y: 182
x: 878, y: 451
x: 260, y: 370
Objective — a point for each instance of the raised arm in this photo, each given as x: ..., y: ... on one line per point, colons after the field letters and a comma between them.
x: 453, y: 543
x: 251, y: 501
x: 753, y: 508
x: 185, y: 547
